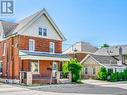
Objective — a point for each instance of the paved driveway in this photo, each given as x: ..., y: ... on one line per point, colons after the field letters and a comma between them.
x: 91, y: 87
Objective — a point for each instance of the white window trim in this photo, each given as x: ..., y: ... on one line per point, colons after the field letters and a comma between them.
x: 38, y: 68
x: 4, y: 49
x: 33, y: 45
x: 94, y: 73
x: 85, y: 70
x: 1, y: 67
x: 53, y: 47
x: 43, y: 27
x: 38, y: 31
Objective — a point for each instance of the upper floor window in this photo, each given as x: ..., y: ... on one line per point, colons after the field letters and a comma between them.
x: 4, y: 49
x: 42, y: 31
x: 31, y: 45
x: 52, y: 47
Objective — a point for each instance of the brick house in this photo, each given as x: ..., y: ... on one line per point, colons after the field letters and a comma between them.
x: 34, y: 45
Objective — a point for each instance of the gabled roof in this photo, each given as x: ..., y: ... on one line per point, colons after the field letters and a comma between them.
x: 103, y: 60
x: 112, y: 51
x: 26, y: 21
x: 7, y: 27
x: 81, y: 47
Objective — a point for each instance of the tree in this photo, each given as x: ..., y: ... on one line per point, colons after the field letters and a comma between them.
x: 65, y: 70
x: 104, y: 46
x: 75, y: 68
x: 102, y: 74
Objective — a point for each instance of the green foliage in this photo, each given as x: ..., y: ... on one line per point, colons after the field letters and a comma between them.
x: 114, y: 77
x: 75, y: 68
x: 65, y: 70
x: 102, y: 74
x: 104, y: 46
x: 119, y: 76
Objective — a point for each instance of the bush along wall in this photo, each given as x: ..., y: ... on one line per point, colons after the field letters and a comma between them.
x: 110, y: 76
x: 119, y: 76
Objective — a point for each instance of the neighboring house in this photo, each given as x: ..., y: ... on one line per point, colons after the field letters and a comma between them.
x: 113, y: 58
x: 34, y: 45
x: 114, y: 51
x: 92, y: 63
x: 80, y: 49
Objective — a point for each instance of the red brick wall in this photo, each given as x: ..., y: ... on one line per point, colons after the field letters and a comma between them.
x: 78, y: 56
x: 41, y: 44
x: 14, y: 63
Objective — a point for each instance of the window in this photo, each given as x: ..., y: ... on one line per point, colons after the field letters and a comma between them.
x: 94, y: 71
x: 40, y: 31
x: 55, y: 67
x: 44, y: 32
x: 34, y: 66
x: 86, y: 70
x: 52, y: 47
x: 0, y: 67
x: 110, y: 71
x: 4, y: 49
x: 31, y: 45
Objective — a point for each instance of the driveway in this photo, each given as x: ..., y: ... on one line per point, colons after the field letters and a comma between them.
x: 91, y: 87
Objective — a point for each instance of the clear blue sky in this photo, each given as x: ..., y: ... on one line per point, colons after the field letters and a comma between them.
x: 94, y: 21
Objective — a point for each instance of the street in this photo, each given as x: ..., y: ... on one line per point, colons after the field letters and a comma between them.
x: 91, y: 87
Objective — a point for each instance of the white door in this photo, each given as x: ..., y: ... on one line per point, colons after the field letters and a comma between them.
x: 55, y: 69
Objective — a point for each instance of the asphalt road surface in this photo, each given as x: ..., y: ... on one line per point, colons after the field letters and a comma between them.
x: 65, y: 89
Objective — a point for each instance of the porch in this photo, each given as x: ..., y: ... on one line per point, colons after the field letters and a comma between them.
x: 41, y: 68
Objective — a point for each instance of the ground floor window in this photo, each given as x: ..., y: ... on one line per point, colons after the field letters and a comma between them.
x: 86, y: 70
x: 94, y: 71
x: 0, y: 67
x: 110, y: 71
x: 34, y: 66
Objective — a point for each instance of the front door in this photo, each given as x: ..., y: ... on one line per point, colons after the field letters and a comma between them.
x: 55, y: 69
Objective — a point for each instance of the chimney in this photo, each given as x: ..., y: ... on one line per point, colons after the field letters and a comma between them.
x: 120, y: 56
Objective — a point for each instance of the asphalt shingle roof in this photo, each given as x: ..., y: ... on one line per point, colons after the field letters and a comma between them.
x: 85, y: 47
x: 112, y: 51
x: 105, y: 59
x: 26, y: 53
x: 7, y: 26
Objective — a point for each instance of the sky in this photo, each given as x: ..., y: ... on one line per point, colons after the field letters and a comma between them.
x: 94, y: 21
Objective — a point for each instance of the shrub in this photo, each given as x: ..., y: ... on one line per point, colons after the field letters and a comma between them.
x: 102, y: 74
x: 114, y: 77
x: 125, y: 74
x: 75, y: 68
x: 65, y: 70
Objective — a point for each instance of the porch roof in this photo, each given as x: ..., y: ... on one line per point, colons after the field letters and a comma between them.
x: 42, y: 56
